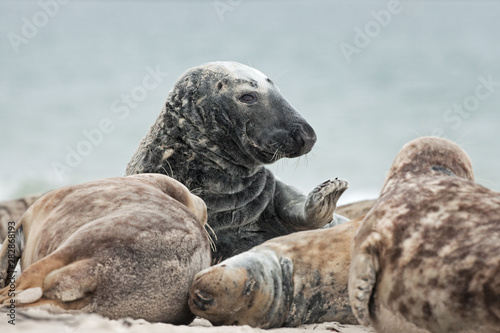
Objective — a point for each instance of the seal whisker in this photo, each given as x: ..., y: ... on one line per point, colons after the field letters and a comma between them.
x: 280, y: 74
x: 196, y: 191
x: 212, y: 230
x: 417, y: 133
x: 208, y: 228
x: 276, y: 155
x: 485, y: 180
x: 459, y: 140
x: 297, y: 162
x: 164, y: 170
x: 171, y: 170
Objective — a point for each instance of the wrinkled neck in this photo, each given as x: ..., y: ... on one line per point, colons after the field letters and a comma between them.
x: 202, y: 164
x: 220, y: 173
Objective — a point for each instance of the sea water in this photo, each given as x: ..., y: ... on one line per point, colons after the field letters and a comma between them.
x: 369, y: 76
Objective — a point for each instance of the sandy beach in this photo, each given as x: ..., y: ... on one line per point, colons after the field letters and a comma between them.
x: 40, y: 321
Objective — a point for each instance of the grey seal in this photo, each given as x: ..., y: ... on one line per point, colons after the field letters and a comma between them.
x: 221, y: 123
x: 427, y: 256
x: 290, y: 280
x: 119, y: 247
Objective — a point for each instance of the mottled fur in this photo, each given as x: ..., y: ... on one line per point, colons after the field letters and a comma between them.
x: 287, y: 281
x: 12, y: 210
x: 119, y: 247
x: 427, y: 256
x: 220, y: 124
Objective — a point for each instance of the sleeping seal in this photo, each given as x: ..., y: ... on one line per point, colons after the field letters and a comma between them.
x: 427, y: 256
x: 220, y: 124
x: 291, y: 280
x: 119, y: 247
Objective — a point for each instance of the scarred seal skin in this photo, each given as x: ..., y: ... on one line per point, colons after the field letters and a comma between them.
x: 221, y: 123
x: 119, y: 247
x: 427, y: 256
x: 287, y: 281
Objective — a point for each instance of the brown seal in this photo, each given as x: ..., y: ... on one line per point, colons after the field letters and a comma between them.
x: 427, y: 256
x: 119, y: 247
x: 291, y: 280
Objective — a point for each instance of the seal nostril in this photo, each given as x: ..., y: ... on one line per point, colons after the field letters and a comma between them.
x: 204, y: 297
x: 202, y: 300
x: 307, y: 137
x: 303, y: 139
x: 199, y: 304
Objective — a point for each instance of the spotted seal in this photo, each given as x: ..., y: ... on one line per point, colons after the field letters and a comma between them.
x: 221, y: 123
x: 12, y: 210
x: 290, y: 280
x: 119, y: 247
x: 427, y: 256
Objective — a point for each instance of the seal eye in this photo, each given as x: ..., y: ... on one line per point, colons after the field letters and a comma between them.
x: 219, y: 86
x: 248, y: 98
x: 444, y: 170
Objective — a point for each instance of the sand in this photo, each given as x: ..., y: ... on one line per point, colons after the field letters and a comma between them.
x: 41, y: 321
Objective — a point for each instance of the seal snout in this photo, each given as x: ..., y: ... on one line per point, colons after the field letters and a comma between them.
x: 297, y: 141
x: 305, y: 138
x: 205, y: 292
x: 201, y: 293
x: 218, y: 294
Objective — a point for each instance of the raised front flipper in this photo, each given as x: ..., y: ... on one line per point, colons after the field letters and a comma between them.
x: 299, y: 212
x: 322, y: 201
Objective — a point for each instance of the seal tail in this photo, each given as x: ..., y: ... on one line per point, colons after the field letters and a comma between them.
x: 12, y: 210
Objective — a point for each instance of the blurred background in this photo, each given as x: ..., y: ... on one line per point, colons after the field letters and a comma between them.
x: 368, y: 76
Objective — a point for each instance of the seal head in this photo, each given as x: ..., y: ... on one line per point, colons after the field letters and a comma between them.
x: 222, y: 122
x: 428, y: 156
x: 232, y: 113
x: 426, y: 257
x: 248, y: 289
